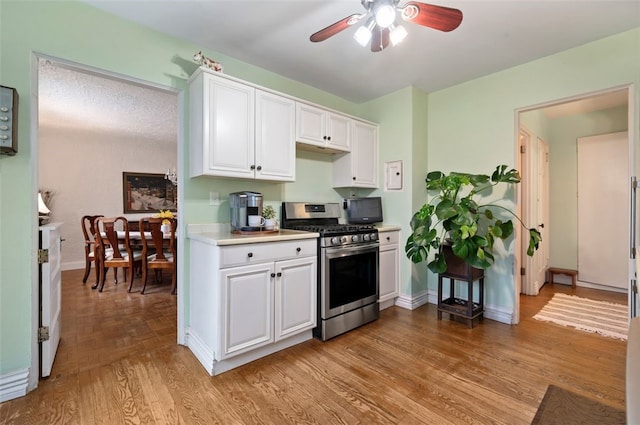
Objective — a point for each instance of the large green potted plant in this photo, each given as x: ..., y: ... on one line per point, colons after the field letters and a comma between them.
x: 457, y: 216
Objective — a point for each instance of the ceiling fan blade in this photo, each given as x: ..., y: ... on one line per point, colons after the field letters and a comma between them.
x: 437, y: 17
x: 379, y: 39
x: 333, y: 29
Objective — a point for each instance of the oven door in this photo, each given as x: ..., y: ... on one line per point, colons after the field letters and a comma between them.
x: 349, y: 278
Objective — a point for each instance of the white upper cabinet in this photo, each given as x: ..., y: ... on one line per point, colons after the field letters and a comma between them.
x: 222, y: 127
x: 359, y: 168
x: 275, y: 156
x: 322, y: 129
x: 240, y: 131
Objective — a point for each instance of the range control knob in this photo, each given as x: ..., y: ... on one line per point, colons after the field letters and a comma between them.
x: 366, y: 237
x: 374, y: 236
x: 344, y: 239
x: 335, y: 241
x: 355, y: 238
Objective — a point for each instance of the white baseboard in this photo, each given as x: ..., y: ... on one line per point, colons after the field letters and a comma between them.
x: 203, y: 353
x: 497, y: 313
x: 13, y: 385
x: 411, y: 302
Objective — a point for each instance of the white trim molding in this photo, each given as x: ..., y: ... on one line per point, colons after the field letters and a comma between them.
x: 499, y: 314
x: 493, y: 312
x: 13, y: 385
x: 411, y: 302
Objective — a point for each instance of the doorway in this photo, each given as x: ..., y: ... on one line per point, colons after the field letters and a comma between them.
x: 560, y: 123
x: 92, y: 123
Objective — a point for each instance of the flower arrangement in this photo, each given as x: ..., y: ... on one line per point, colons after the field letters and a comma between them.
x: 268, y: 212
x: 167, y: 215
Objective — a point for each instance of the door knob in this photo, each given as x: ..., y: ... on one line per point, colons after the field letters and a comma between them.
x: 541, y: 225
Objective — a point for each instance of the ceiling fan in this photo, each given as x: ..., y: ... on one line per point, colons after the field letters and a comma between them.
x: 380, y: 24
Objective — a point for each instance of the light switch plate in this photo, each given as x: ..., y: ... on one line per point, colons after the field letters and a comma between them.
x: 214, y: 198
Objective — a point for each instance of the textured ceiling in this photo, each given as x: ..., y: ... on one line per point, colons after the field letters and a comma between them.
x: 494, y: 35
x: 82, y: 100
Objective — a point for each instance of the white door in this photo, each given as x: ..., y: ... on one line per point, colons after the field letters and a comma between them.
x: 295, y: 296
x: 540, y: 260
x: 535, y: 167
x: 51, y: 288
x: 603, y: 210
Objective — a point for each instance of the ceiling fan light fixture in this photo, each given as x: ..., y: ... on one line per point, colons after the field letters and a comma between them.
x: 397, y: 34
x: 362, y: 35
x: 385, y: 15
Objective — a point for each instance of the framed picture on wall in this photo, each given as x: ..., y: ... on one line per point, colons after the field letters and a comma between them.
x: 145, y: 192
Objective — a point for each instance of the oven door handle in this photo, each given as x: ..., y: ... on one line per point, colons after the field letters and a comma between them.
x: 352, y: 249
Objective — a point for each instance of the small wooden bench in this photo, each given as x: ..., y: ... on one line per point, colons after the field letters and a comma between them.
x: 556, y: 270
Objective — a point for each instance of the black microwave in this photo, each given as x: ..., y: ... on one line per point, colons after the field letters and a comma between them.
x: 364, y: 210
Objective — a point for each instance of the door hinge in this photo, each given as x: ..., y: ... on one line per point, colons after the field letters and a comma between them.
x: 43, y: 334
x: 523, y: 149
x: 522, y: 271
x: 43, y: 256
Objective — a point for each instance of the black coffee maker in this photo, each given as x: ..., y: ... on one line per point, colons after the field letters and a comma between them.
x: 246, y: 211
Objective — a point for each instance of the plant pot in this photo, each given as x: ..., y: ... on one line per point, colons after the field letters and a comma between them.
x: 270, y: 224
x: 458, y: 268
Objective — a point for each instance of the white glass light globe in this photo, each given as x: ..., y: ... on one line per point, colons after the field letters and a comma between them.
x: 385, y: 15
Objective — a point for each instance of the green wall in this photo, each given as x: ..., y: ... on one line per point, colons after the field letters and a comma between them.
x: 471, y: 126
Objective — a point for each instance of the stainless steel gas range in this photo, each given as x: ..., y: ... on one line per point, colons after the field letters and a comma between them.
x: 348, y: 258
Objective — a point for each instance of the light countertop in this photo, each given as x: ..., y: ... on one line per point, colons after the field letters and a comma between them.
x: 221, y: 235
x: 387, y: 227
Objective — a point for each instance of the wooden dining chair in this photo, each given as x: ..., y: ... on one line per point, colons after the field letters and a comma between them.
x: 114, y: 249
x: 88, y: 230
x: 158, y: 250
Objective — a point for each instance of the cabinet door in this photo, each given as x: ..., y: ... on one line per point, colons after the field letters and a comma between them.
x: 296, y: 294
x: 247, y: 310
x: 339, y: 132
x: 364, y: 157
x: 311, y: 125
x: 275, y: 137
x: 389, y: 272
x: 359, y: 168
x: 228, y: 128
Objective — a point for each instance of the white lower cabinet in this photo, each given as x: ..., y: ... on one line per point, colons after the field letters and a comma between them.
x: 247, y: 296
x: 389, y: 266
x: 250, y: 300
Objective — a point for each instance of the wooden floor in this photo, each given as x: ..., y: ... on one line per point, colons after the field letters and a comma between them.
x: 118, y: 363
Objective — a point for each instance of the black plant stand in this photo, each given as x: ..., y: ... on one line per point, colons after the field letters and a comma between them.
x: 457, y: 269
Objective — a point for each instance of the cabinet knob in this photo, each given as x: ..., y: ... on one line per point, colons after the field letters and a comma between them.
x: 273, y: 275
x: 250, y: 254
x: 388, y: 238
x: 353, y: 178
x: 259, y: 167
x: 298, y: 249
x: 329, y: 138
x: 279, y: 274
x: 253, y: 167
x: 324, y: 137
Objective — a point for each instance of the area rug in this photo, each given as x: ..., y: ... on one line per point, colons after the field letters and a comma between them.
x: 563, y: 407
x: 604, y: 318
